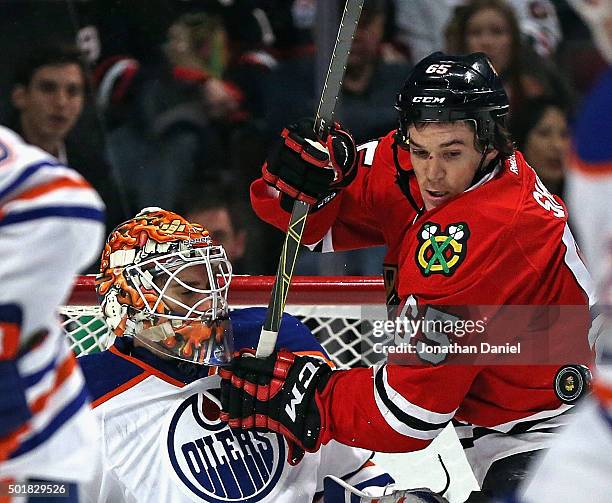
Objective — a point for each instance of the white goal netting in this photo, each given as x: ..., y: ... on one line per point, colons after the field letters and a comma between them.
x: 330, y: 306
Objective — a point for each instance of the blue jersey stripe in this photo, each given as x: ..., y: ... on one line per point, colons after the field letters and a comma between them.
x: 14, y: 408
x: 27, y: 173
x: 34, y: 378
x: 57, y: 422
x: 592, y: 135
x: 83, y: 212
x: 380, y: 481
x: 11, y: 313
x: 606, y: 415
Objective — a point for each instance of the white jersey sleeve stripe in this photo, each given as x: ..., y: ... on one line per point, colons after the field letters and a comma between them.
x: 576, y: 265
x: 414, y: 410
x: 399, y: 420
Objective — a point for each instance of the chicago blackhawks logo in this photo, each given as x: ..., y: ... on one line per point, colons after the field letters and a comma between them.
x: 441, y: 252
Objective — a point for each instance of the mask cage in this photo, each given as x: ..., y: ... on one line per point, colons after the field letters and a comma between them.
x: 146, y: 278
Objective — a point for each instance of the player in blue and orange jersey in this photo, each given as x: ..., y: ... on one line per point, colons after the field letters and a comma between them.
x: 51, y: 227
x: 163, y: 288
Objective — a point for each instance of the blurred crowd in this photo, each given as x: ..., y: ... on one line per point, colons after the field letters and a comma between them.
x: 174, y: 103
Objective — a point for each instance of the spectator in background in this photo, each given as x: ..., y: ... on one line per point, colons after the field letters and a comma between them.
x: 48, y: 96
x: 250, y: 244
x: 541, y: 131
x: 420, y: 25
x: 491, y: 26
x: 370, y: 85
x: 157, y: 122
x: 538, y: 23
x: 225, y: 219
x: 191, y: 112
x: 197, y: 49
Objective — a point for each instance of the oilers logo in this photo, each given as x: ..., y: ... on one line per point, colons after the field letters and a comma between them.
x: 217, y: 464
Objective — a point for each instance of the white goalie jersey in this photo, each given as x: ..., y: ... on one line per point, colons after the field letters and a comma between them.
x: 162, y: 439
x: 51, y: 226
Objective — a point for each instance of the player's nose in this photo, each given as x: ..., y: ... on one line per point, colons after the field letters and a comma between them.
x: 435, y: 169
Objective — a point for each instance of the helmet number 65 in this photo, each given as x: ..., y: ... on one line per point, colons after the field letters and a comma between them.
x: 440, y: 69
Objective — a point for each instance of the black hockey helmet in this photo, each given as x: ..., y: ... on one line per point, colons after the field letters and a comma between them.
x: 443, y: 88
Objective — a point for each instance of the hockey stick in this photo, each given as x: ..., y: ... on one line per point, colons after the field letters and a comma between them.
x: 323, y: 122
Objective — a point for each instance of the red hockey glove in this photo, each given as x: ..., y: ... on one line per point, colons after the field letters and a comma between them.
x: 305, y: 168
x: 279, y: 393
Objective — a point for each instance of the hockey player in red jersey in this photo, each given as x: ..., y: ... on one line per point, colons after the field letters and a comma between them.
x: 470, y: 231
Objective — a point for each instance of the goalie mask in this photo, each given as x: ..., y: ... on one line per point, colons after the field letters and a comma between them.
x: 163, y: 282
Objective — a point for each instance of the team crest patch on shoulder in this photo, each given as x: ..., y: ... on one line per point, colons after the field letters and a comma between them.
x: 441, y: 251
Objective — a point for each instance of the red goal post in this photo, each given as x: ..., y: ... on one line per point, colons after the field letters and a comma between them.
x: 329, y: 305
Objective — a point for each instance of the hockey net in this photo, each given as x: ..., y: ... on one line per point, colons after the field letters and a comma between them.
x: 330, y: 306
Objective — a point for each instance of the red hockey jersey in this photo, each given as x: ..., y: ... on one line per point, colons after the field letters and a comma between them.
x: 502, y: 244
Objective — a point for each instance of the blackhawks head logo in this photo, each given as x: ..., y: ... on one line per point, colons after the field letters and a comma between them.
x: 440, y: 252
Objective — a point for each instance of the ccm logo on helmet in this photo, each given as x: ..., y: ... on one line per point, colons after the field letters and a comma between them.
x: 428, y: 99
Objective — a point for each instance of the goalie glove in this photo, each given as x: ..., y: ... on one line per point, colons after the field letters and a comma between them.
x: 305, y: 168
x: 279, y: 393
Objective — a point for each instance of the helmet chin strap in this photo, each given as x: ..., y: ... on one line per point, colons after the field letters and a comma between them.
x: 402, y: 177
x: 483, y: 169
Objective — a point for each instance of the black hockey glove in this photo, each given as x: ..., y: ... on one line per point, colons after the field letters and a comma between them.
x: 279, y: 393
x: 304, y: 168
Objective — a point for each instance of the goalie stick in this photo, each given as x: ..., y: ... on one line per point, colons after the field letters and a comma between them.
x: 322, y: 124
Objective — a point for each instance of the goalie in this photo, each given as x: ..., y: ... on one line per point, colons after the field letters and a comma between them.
x: 163, y: 289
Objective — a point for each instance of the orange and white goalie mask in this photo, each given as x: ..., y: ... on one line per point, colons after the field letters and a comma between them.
x: 163, y: 282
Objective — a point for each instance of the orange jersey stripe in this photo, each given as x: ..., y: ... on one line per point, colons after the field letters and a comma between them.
x: 61, y: 374
x: 316, y: 354
x: 590, y: 168
x: 45, y: 188
x: 11, y: 442
x: 603, y: 392
x: 10, y: 340
x: 148, y: 368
